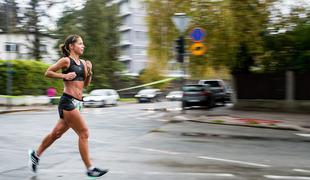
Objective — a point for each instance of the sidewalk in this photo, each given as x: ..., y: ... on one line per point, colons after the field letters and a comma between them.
x: 11, y: 109
x: 228, y: 116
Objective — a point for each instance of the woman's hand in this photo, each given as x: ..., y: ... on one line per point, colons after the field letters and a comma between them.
x: 89, y: 68
x: 69, y: 76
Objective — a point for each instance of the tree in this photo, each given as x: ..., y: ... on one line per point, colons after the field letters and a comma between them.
x: 35, y: 11
x: 234, y: 29
x: 98, y: 25
x: 9, y: 19
x: 290, y: 50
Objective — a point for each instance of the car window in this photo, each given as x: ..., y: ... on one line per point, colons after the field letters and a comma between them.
x: 98, y: 92
x: 213, y: 83
x: 175, y: 93
x: 147, y: 91
x: 113, y: 92
x: 193, y: 88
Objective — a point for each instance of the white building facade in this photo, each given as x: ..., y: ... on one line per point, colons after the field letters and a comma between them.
x: 17, y: 46
x: 133, y: 35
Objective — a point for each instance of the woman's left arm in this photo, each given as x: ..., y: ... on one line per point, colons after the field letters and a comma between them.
x: 88, y: 72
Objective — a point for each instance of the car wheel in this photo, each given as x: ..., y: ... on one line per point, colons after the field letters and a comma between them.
x: 184, y: 105
x: 103, y: 104
x: 223, y: 102
x: 211, y: 103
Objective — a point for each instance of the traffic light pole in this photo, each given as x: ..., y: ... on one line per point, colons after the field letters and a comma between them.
x: 180, y: 56
x: 182, y: 59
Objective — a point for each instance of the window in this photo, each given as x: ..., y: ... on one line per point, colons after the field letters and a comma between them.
x: 139, y: 20
x: 138, y: 4
x: 11, y: 47
x: 125, y: 51
x: 125, y: 36
x: 139, y: 50
x: 126, y: 21
x: 124, y: 7
x: 140, y: 36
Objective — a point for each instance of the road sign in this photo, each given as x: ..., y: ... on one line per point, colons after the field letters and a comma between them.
x: 198, y: 34
x: 198, y: 49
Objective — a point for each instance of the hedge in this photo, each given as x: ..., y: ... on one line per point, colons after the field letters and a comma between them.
x: 28, y: 78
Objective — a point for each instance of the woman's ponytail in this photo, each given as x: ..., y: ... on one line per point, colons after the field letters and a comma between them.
x: 64, y: 48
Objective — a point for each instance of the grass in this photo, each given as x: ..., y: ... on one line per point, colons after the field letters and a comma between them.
x: 127, y: 100
x: 218, y: 121
x: 7, y: 96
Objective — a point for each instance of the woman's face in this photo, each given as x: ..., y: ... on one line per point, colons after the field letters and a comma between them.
x: 78, y: 46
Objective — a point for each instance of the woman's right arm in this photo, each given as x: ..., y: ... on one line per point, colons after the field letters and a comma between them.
x: 51, y: 72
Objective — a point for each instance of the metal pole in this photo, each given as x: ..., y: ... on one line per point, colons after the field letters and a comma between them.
x: 183, y: 62
x: 9, y: 65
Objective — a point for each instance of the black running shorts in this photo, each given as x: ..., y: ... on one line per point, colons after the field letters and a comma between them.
x: 68, y: 103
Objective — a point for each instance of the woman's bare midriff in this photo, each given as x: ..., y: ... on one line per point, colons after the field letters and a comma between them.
x: 74, y: 88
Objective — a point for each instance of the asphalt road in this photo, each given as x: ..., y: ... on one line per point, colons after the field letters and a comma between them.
x: 139, y: 144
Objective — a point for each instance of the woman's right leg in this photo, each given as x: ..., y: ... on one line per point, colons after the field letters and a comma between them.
x: 76, y: 122
x: 60, y: 128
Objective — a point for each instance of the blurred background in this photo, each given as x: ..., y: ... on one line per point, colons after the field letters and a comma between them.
x: 258, y: 48
x: 181, y: 89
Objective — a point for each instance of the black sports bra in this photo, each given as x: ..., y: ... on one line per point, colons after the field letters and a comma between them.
x: 78, y: 69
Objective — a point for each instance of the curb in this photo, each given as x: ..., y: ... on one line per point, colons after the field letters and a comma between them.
x: 179, y: 119
x: 290, y: 128
x: 20, y: 110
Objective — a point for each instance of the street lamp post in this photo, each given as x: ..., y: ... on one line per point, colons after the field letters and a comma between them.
x: 9, y: 82
x: 181, y: 21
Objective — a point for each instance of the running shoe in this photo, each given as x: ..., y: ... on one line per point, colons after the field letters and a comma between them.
x: 33, y: 160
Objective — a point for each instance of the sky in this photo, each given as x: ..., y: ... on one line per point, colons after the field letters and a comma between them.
x: 56, y: 11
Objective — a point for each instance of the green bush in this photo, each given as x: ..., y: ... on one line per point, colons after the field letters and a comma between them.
x: 28, y: 78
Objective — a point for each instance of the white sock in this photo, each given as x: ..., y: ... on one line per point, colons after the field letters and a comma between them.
x: 91, y: 168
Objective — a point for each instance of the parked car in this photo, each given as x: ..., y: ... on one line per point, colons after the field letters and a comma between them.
x: 175, y: 96
x: 101, y: 98
x: 221, y: 91
x: 197, y: 95
x: 148, y: 95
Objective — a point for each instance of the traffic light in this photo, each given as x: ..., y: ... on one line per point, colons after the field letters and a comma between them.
x: 180, y: 48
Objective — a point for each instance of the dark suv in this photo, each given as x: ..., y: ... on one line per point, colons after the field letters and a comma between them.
x: 197, y: 95
x: 221, y: 91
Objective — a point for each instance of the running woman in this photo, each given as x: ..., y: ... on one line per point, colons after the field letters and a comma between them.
x: 76, y: 74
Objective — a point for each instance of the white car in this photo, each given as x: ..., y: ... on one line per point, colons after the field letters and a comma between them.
x: 101, y: 98
x: 175, y: 96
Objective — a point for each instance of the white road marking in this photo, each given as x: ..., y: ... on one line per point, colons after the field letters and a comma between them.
x: 302, y: 170
x: 155, y: 150
x: 99, y: 141
x: 174, y: 109
x: 287, y: 177
x: 176, y: 173
x: 233, y: 161
x: 303, y: 135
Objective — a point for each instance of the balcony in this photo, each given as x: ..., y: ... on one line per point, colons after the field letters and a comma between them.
x: 125, y: 43
x: 126, y: 13
x: 124, y: 28
x: 124, y: 58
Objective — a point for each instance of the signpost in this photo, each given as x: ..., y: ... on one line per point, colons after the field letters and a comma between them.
x: 197, y: 35
x: 198, y: 49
